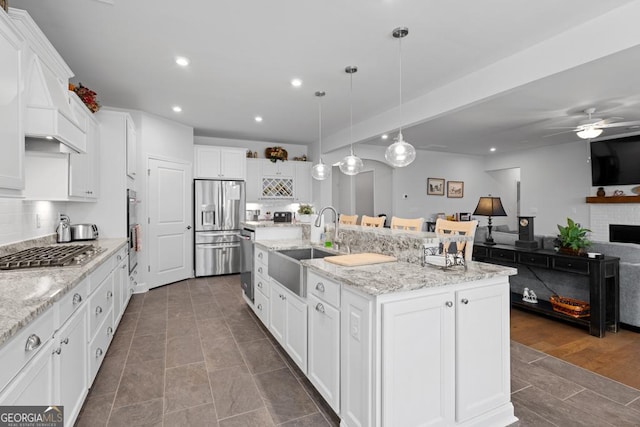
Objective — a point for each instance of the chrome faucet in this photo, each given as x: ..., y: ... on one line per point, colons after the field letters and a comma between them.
x: 336, y: 240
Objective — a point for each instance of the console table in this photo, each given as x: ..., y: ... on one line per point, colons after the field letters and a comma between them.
x: 603, y: 277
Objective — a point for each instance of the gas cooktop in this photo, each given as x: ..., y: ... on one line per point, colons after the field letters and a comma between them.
x: 50, y: 256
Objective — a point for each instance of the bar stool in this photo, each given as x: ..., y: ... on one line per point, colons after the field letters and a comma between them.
x: 406, y: 224
x: 348, y: 219
x: 468, y: 228
x: 371, y: 221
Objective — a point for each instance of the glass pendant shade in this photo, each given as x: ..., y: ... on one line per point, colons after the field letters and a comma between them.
x: 589, y: 132
x: 351, y: 165
x: 320, y: 171
x: 400, y: 153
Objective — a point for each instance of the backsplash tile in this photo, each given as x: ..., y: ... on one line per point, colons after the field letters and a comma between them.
x: 18, y: 219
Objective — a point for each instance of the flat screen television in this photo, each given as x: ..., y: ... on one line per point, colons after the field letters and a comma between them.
x: 615, y: 161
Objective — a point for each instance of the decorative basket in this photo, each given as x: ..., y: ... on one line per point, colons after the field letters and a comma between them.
x: 570, y: 306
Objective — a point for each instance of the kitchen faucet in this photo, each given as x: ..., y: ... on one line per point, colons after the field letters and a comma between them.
x: 336, y: 240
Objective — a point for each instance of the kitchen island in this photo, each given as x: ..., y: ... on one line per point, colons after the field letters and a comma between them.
x: 396, y: 343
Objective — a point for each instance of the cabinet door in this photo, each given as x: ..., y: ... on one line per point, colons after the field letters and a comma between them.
x: 302, y: 183
x: 93, y: 157
x: 84, y: 167
x: 296, y: 330
x: 207, y: 162
x: 34, y: 384
x: 418, y: 361
x: 70, y: 364
x: 482, y: 350
x: 253, y: 185
x: 131, y: 148
x: 277, y: 311
x: 261, y: 307
x: 120, y: 290
x: 11, y: 129
x: 324, y: 350
x: 233, y: 163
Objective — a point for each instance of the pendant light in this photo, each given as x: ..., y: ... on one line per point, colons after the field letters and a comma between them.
x: 351, y: 164
x: 400, y: 153
x: 320, y: 171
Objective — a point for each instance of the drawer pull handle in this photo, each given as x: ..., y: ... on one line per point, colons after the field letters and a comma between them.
x: 320, y: 307
x: 65, y: 341
x: 77, y: 299
x: 98, y: 353
x: 448, y: 304
x: 98, y: 310
x: 109, y: 331
x: 57, y: 351
x: 260, y: 307
x: 320, y: 287
x: 260, y: 255
x: 119, y: 258
x: 260, y: 285
x: 259, y: 269
x: 109, y: 295
x: 33, y: 342
x: 124, y: 266
x: 464, y: 301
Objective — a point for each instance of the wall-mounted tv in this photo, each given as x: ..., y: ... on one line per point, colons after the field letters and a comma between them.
x: 615, y: 161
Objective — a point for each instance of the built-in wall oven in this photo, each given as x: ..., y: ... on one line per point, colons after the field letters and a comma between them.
x: 133, y: 228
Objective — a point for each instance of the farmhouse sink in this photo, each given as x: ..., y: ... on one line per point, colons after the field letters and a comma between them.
x: 285, y: 267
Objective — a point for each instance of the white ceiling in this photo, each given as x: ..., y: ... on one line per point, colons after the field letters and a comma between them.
x: 244, y: 53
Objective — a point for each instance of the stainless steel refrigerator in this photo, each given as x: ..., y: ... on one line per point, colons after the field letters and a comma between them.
x: 219, y: 207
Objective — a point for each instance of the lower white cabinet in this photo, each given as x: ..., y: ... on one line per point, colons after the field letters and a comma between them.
x: 121, y: 287
x: 34, y: 384
x: 288, y: 323
x: 261, y: 307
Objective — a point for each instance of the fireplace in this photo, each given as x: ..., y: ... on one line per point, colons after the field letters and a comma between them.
x: 624, y: 233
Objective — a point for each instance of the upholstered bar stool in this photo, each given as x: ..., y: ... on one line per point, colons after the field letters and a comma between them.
x: 348, y: 219
x: 371, y: 221
x: 406, y: 224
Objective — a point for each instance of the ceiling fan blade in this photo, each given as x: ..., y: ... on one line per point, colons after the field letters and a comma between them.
x: 620, y: 124
x: 559, y: 133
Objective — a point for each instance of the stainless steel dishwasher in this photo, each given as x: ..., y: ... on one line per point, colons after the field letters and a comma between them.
x: 246, y: 262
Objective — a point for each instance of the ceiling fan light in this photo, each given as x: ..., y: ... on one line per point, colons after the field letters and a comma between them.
x: 400, y: 153
x: 351, y: 165
x: 589, y: 132
x: 320, y: 171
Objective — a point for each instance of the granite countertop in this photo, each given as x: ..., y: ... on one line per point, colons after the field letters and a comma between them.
x: 252, y: 225
x: 26, y: 293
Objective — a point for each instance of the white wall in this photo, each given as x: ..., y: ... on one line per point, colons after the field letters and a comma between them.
x: 293, y: 150
x: 18, y: 219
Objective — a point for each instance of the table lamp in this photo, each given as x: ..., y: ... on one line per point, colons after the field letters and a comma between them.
x: 489, y: 206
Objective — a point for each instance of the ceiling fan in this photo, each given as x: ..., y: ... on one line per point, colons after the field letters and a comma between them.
x: 593, y: 127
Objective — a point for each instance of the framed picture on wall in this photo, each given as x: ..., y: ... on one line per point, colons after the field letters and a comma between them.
x: 455, y: 189
x: 435, y: 186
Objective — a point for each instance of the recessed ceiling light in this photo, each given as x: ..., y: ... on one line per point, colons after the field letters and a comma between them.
x: 182, y: 61
x: 258, y: 119
x: 296, y: 82
x: 492, y: 149
x: 385, y: 136
x: 177, y: 109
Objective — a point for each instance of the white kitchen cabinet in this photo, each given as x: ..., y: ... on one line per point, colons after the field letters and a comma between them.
x: 288, y: 322
x: 121, y: 285
x: 324, y: 350
x: 219, y: 162
x: 70, y: 364
x: 131, y: 147
x: 302, y: 184
x: 34, y: 384
x: 253, y: 186
x: 11, y: 118
x: 278, y: 168
x: 261, y: 307
x: 84, y: 167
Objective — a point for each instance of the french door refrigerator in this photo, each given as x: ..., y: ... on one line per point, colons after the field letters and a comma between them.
x: 219, y: 206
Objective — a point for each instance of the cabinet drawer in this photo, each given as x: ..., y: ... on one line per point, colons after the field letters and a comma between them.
x: 262, y: 269
x: 480, y: 252
x: 71, y: 301
x: 325, y: 289
x: 99, y: 345
x: 262, y: 307
x: 14, y: 354
x: 100, y: 304
x: 261, y: 255
x: 503, y: 254
x: 262, y: 285
x: 101, y: 273
x: 534, y: 259
x: 571, y: 265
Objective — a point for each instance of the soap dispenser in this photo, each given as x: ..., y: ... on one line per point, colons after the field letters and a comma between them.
x: 64, y: 229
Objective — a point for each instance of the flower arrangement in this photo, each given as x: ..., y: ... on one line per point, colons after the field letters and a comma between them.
x: 276, y: 153
x: 86, y: 95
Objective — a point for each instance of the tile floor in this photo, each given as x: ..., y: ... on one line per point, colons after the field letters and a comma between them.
x: 192, y: 354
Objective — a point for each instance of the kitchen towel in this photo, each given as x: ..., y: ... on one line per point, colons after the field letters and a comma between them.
x: 137, y: 238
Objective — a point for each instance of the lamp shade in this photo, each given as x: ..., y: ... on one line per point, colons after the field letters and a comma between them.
x: 490, y: 206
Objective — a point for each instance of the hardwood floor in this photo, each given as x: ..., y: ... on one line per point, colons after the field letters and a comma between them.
x: 616, y: 356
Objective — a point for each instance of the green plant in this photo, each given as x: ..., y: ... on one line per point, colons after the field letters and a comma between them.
x: 573, y: 236
x: 305, y: 209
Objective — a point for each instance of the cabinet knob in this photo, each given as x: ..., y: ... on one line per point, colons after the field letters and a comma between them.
x: 449, y: 304
x: 320, y: 287
x: 109, y: 331
x: 33, y: 342
x: 77, y: 299
x: 57, y: 351
x: 259, y: 269
x: 320, y: 307
x: 109, y: 295
x: 260, y: 255
x: 464, y: 301
x: 119, y: 257
x: 260, y: 285
x: 98, y: 310
x: 260, y: 307
x: 65, y: 341
x: 99, y: 352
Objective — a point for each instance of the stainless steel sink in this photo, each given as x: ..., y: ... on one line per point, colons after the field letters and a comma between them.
x: 285, y: 267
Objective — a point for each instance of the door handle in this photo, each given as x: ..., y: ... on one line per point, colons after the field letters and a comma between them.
x: 188, y: 227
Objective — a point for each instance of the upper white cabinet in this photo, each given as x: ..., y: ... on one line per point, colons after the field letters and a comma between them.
x: 278, y: 168
x: 84, y: 167
x: 267, y: 180
x: 131, y: 142
x: 11, y: 130
x: 219, y: 162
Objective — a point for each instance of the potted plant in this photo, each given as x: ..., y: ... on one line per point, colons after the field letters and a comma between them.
x: 572, y: 238
x: 305, y: 212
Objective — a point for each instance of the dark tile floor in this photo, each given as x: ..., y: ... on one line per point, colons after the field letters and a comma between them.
x: 192, y: 354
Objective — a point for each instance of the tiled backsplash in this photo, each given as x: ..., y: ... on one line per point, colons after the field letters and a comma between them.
x: 19, y: 219
x: 611, y: 213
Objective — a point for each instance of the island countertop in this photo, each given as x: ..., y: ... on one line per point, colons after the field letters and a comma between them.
x: 252, y: 225
x: 26, y: 293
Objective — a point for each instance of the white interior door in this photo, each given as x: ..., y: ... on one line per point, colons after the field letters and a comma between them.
x: 169, y: 222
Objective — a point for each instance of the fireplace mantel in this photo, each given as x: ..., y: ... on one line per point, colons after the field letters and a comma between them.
x: 614, y: 199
